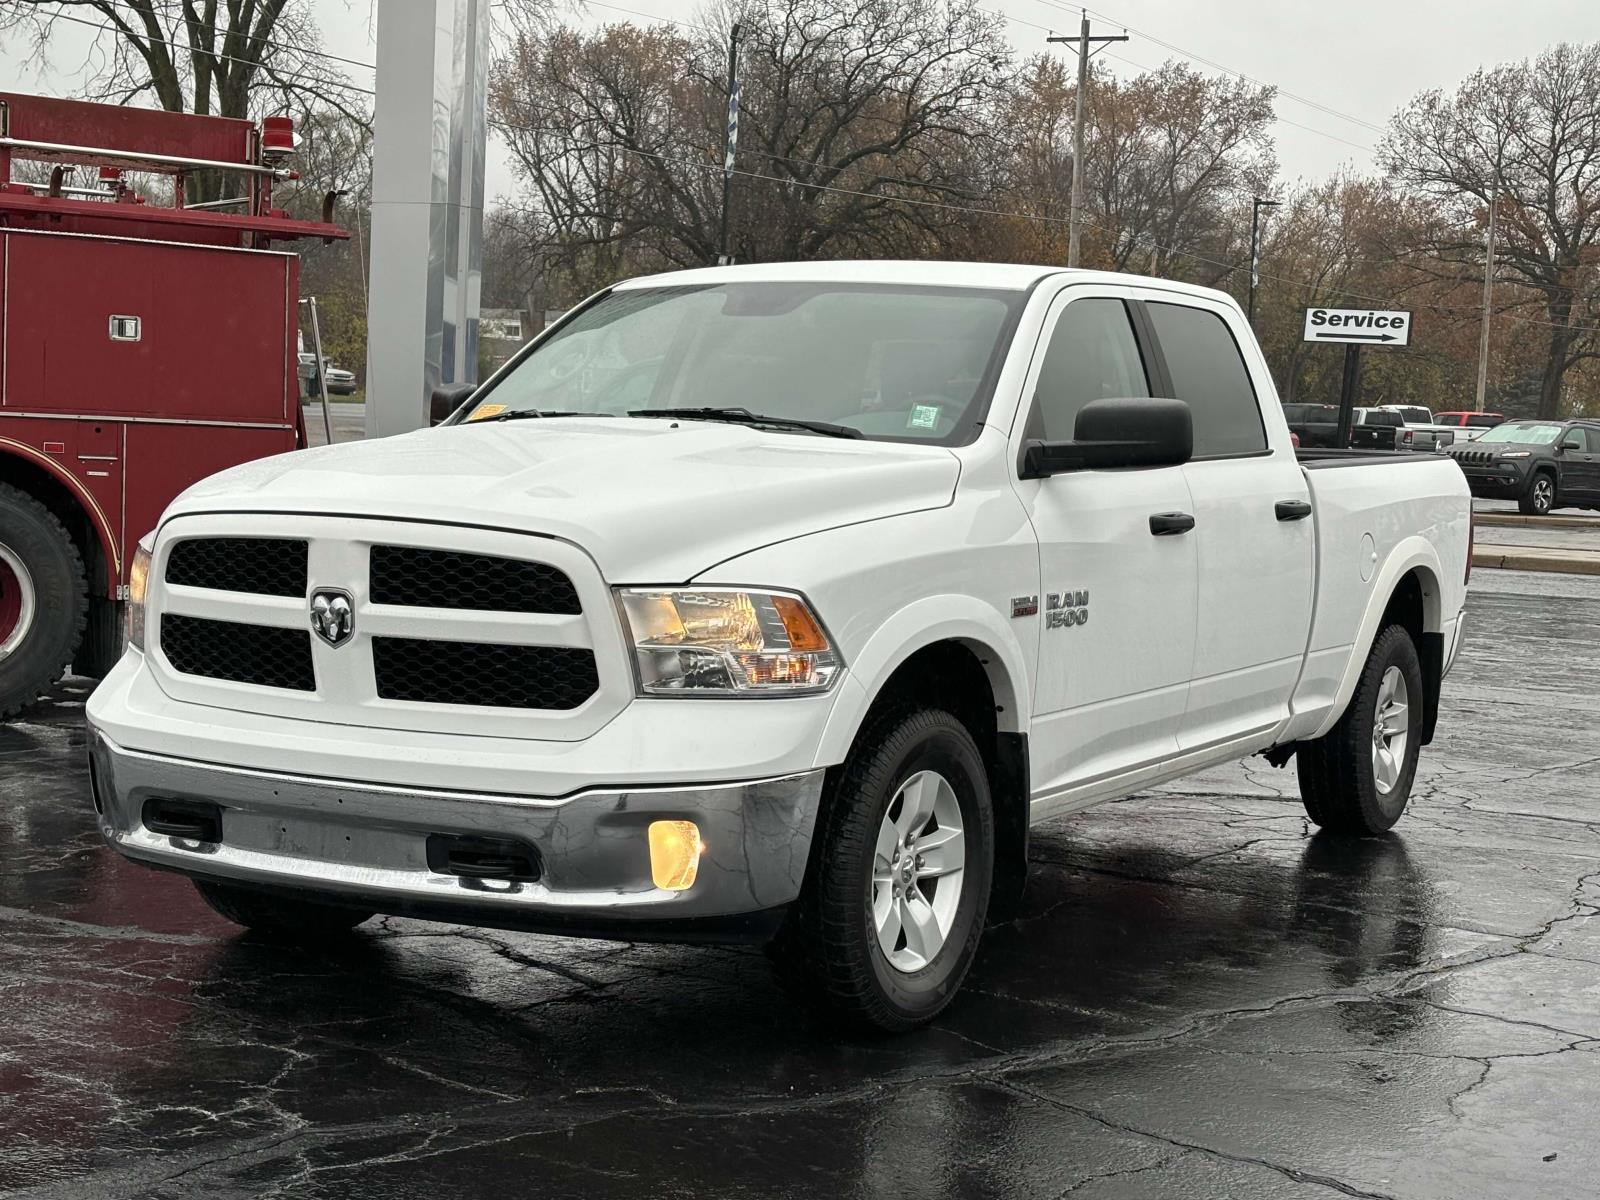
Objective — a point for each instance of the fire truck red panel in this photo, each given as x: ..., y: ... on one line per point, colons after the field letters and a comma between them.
x: 99, y: 326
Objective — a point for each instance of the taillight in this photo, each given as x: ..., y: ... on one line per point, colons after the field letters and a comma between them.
x: 1472, y: 537
x: 1407, y: 436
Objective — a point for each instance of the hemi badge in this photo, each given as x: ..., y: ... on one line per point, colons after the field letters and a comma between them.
x: 1024, y: 606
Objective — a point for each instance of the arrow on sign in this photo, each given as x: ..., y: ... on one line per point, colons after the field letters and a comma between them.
x: 1354, y: 337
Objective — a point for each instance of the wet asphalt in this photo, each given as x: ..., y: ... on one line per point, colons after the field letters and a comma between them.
x: 1202, y: 998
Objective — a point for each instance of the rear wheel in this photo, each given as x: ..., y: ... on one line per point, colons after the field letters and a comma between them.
x: 1540, y: 497
x: 1357, y: 778
x: 899, y: 879
x: 279, y: 917
x: 43, y: 599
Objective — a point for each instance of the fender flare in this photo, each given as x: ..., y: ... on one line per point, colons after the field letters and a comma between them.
x: 86, y: 501
x: 923, y: 623
x: 1410, y: 554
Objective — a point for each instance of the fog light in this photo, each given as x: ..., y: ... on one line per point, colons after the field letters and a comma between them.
x: 674, y: 854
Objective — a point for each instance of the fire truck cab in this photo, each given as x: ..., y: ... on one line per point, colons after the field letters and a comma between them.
x: 145, y: 343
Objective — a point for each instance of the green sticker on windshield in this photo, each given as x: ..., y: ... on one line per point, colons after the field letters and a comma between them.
x: 924, y: 416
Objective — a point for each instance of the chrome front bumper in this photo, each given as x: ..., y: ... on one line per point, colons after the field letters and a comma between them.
x: 366, y: 845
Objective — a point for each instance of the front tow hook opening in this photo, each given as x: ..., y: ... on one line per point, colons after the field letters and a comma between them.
x: 472, y: 857
x: 186, y: 820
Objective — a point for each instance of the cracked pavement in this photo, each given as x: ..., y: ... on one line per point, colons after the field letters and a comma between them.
x: 1200, y: 999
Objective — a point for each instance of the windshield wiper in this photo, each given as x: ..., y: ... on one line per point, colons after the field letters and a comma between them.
x: 518, y: 414
x: 743, y: 416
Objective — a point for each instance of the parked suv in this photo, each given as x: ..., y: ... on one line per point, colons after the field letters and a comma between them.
x: 1542, y: 465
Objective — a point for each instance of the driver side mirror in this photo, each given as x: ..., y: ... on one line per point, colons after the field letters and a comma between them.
x: 448, y: 397
x: 1114, y: 433
x: 1570, y: 443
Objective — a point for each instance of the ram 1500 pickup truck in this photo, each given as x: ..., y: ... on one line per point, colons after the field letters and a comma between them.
x: 777, y: 602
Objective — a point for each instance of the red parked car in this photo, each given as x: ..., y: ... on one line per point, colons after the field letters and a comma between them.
x: 1476, y: 424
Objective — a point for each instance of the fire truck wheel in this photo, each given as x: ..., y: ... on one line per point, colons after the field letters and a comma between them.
x: 43, y: 601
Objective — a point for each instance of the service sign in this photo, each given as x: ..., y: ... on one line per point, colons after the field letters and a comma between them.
x: 1358, y: 325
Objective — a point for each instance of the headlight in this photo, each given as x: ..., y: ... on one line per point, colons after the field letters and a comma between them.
x: 1517, y: 454
x: 721, y: 642
x: 138, y: 582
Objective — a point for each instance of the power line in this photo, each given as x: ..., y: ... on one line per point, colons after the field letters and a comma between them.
x: 1227, y: 70
x: 939, y: 204
x: 1004, y: 213
x: 264, y: 66
x: 170, y: 6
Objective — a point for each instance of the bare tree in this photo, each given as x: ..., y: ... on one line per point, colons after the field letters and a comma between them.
x: 855, y: 131
x: 1529, y: 132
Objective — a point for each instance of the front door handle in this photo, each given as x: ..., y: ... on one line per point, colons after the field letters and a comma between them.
x: 1168, y: 523
x: 1292, y: 510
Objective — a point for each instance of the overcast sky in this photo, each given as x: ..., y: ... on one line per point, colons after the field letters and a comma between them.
x: 1361, y: 59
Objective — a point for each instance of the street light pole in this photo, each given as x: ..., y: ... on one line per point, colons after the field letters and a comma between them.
x: 1255, y: 251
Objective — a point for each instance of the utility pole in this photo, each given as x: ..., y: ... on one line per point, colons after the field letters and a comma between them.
x: 1255, y: 252
x: 1488, y: 287
x: 723, y: 257
x: 1083, y: 42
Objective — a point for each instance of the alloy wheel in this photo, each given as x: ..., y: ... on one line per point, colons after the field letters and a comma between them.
x: 1390, y: 730
x: 917, y: 871
x: 1544, y: 494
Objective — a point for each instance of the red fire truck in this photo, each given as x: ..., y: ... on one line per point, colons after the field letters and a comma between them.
x: 145, y: 343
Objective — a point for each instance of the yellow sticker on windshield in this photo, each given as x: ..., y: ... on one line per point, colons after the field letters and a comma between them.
x: 484, y: 411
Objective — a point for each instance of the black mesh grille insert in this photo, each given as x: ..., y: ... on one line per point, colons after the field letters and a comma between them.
x: 428, y: 672
x: 262, y: 566
x: 258, y: 654
x: 444, y: 579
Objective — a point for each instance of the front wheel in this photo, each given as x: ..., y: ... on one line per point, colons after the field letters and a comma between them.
x: 899, y: 879
x: 1357, y: 777
x: 1540, y: 497
x: 43, y: 599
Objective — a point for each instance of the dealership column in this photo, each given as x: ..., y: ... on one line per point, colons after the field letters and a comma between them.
x: 427, y: 206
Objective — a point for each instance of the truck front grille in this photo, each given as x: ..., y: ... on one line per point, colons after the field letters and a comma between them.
x: 422, y: 578
x: 477, y: 673
x: 258, y: 654
x: 259, y: 566
x: 456, y: 629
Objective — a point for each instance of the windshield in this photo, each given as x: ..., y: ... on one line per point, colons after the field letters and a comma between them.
x: 897, y: 363
x: 1524, y: 432
x: 1310, y: 412
x: 1414, y: 416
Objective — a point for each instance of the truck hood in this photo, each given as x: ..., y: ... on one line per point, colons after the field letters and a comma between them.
x: 652, y: 500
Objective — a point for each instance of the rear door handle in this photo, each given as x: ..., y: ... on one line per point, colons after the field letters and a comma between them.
x: 1168, y: 523
x: 1292, y: 510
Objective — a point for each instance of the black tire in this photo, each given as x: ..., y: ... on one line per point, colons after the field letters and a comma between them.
x: 40, y: 543
x: 1536, y: 501
x: 828, y: 952
x: 1337, y: 779
x: 101, y: 645
x: 280, y: 918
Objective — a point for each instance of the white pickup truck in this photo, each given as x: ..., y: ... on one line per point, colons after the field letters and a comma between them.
x: 776, y: 603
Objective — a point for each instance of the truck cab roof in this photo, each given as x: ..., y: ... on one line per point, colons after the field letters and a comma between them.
x: 907, y: 272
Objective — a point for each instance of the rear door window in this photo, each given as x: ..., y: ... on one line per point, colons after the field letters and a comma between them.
x: 1209, y: 374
